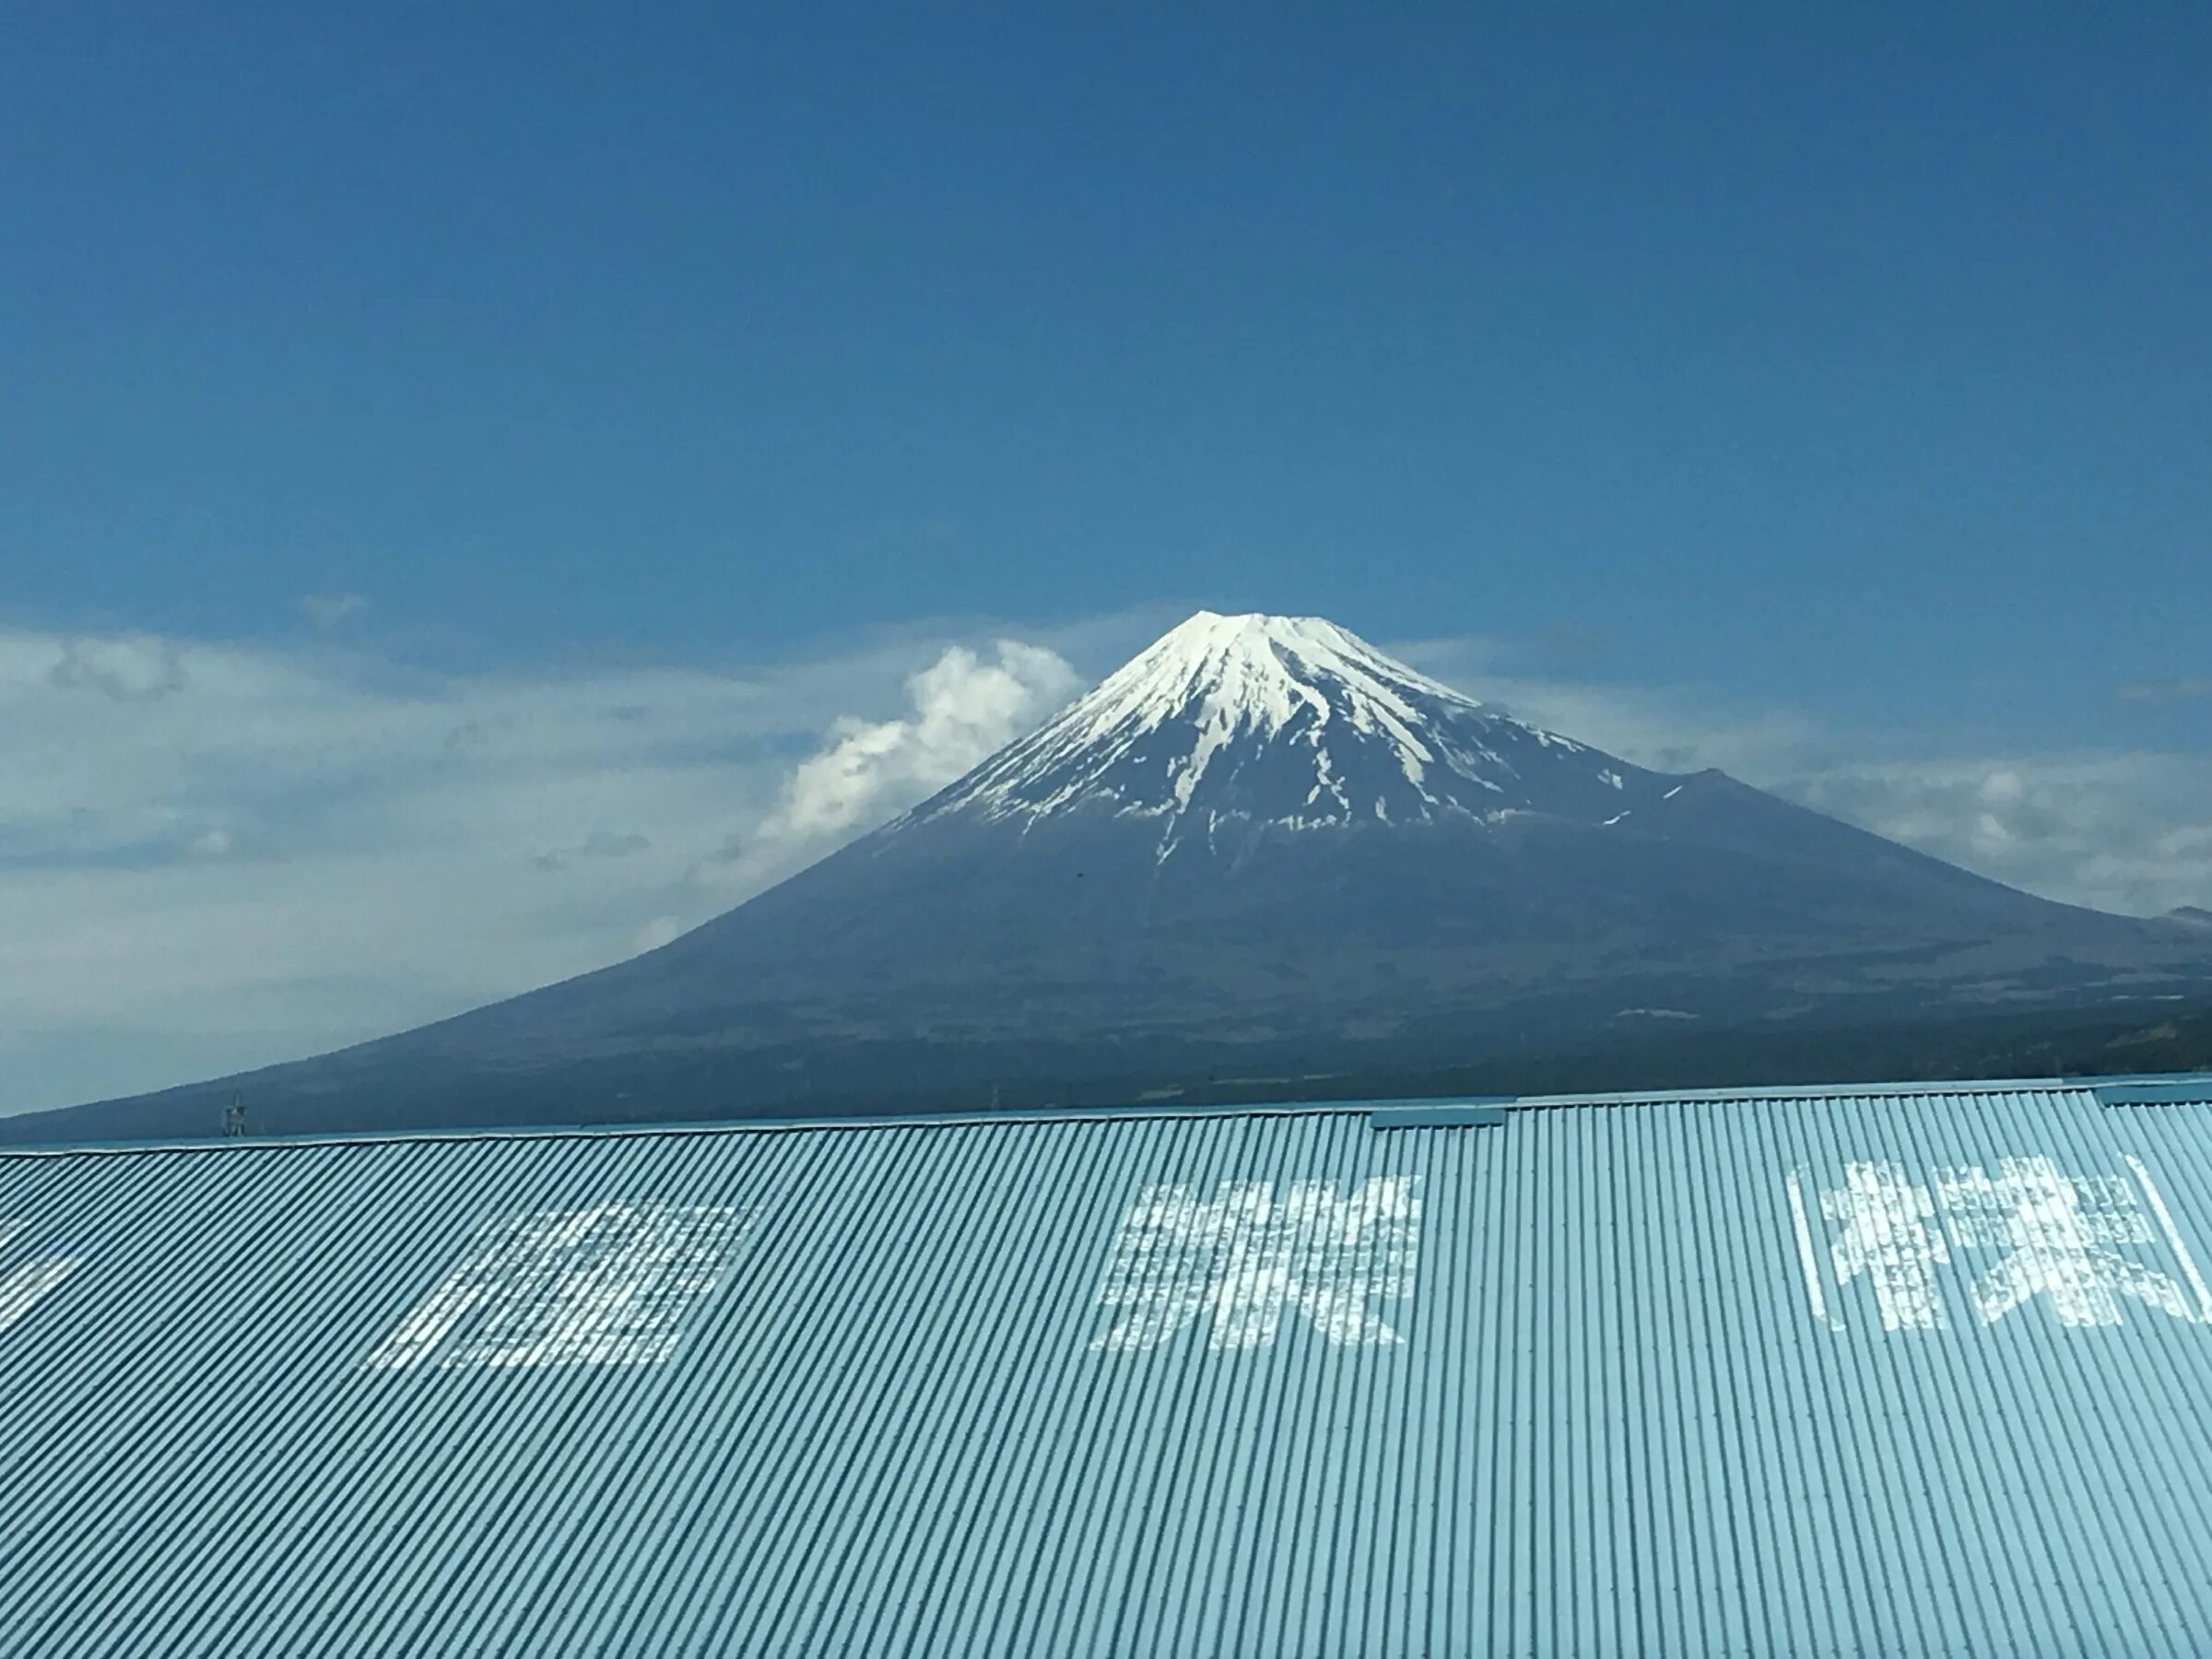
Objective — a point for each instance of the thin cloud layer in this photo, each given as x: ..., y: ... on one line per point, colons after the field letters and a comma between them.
x: 126, y: 667
x: 2129, y: 832
x: 327, y: 610
x: 2125, y: 831
x: 214, y: 856
x: 2166, y: 690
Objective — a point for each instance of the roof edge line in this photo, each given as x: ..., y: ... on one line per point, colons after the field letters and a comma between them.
x: 1129, y: 1113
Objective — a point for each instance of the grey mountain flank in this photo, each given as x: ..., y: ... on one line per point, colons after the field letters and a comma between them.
x: 1261, y: 850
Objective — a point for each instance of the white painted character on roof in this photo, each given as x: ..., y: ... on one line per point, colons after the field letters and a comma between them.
x: 23, y: 1287
x: 1887, y: 1238
x: 2066, y: 1241
x: 2061, y: 1233
x: 1245, y: 1255
x: 610, y: 1285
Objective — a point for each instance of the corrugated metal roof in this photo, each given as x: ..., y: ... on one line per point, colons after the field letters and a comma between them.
x: 1878, y: 1372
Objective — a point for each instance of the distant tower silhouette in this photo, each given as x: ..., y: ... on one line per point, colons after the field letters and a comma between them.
x: 234, y: 1115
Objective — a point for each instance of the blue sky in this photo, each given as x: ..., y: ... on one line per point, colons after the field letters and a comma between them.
x: 1831, y: 390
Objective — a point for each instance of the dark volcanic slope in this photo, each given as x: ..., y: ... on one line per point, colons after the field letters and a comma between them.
x: 1259, y: 845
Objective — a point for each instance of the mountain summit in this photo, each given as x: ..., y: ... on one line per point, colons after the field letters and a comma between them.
x: 1288, y: 721
x: 1262, y: 850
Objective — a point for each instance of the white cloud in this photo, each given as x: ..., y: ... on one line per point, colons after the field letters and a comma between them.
x: 962, y: 709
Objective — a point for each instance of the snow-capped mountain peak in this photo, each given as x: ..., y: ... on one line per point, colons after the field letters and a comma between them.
x: 1255, y: 673
x: 1289, y: 721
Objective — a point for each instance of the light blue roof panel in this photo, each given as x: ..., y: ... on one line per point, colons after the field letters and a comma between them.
x: 1891, y: 1372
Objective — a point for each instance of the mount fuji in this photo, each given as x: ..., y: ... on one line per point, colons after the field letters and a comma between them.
x: 1263, y: 851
